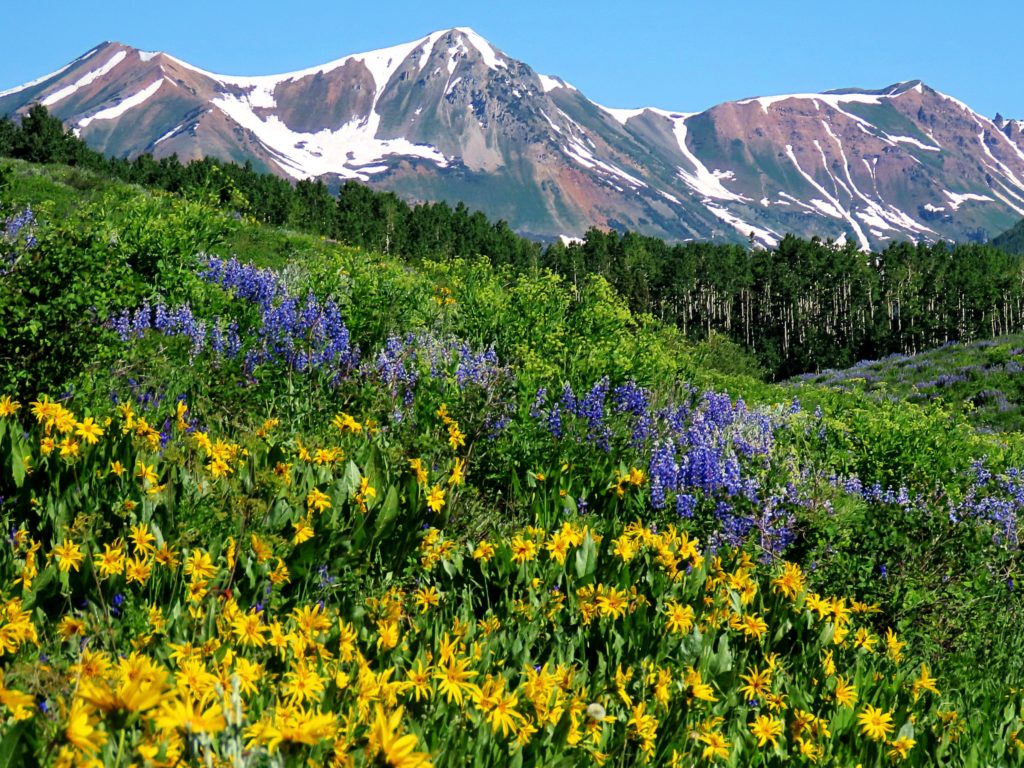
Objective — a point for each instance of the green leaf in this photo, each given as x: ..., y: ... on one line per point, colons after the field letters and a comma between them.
x: 723, y: 657
x: 14, y: 746
x: 586, y: 559
x: 18, y: 464
x: 349, y: 482
x: 387, y: 514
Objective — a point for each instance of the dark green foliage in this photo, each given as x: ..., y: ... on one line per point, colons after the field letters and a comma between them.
x: 1011, y: 241
x: 8, y: 131
x: 41, y: 138
x: 58, y: 294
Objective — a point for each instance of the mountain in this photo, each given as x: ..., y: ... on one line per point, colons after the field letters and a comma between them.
x: 450, y: 117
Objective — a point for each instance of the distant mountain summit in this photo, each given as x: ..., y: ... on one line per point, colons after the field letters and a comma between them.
x: 450, y: 117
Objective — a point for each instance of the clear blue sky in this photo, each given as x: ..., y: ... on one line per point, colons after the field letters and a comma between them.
x: 674, y: 54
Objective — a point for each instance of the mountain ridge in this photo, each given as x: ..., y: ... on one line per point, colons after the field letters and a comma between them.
x: 451, y: 117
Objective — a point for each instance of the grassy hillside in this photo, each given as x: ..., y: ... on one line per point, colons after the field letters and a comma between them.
x: 273, y: 500
x: 984, y: 378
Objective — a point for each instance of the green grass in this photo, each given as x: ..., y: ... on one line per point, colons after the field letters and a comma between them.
x: 58, y: 190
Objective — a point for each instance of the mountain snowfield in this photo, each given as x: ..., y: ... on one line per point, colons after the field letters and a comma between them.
x: 450, y: 117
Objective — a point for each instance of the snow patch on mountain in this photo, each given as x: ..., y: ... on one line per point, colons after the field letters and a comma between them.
x: 428, y: 47
x: 44, y: 78
x: 955, y: 200
x: 549, y: 83
x: 701, y: 180
x: 191, y: 125
x: 87, y: 79
x: 832, y: 203
x: 382, y: 63
x: 170, y: 133
x: 550, y: 122
x: 1005, y: 170
x: 585, y: 157
x: 124, y: 105
x: 763, y: 236
x: 451, y: 85
x: 911, y: 140
x: 834, y: 100
x: 37, y: 81
x: 487, y: 52
x: 620, y: 115
x: 352, y: 151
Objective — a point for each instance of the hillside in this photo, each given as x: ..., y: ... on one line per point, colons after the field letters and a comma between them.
x: 450, y: 117
x: 273, y: 498
x: 1012, y: 240
x: 983, y: 376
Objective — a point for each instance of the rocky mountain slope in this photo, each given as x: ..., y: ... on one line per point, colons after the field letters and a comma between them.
x: 450, y: 117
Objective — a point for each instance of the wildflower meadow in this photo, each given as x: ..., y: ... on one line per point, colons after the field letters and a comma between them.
x: 269, y: 500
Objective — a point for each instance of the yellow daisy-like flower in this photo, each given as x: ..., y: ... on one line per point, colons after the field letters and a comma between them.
x: 484, y: 551
x: 83, y: 729
x: 753, y: 626
x: 523, y: 550
x: 398, y: 751
x: 875, y: 723
x: 189, y: 715
x: 303, y: 531
x: 717, y: 745
x: 89, y: 430
x: 680, y: 617
x: 458, y: 474
x: 453, y: 681
x: 846, y: 693
x: 925, y: 682
x: 249, y: 629
x: 69, y: 556
x: 318, y: 500
x: 416, y: 465
x: 758, y: 683
x: 791, y: 582
x: 766, y: 729
x: 900, y: 748
x: 111, y: 561
x: 8, y: 407
x: 435, y: 499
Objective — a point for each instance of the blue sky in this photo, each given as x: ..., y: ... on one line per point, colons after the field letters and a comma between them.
x: 679, y: 54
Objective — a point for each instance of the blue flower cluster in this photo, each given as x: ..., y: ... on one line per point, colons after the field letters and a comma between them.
x: 304, y: 335
x: 996, y: 500
x: 17, y: 235
x: 404, y: 361
x: 259, y: 286
x: 706, y: 452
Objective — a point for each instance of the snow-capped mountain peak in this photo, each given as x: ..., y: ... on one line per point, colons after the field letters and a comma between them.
x: 450, y: 116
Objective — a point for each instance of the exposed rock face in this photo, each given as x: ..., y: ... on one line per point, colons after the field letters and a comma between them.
x: 449, y: 117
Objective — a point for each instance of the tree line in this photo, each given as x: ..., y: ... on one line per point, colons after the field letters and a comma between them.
x: 801, y: 306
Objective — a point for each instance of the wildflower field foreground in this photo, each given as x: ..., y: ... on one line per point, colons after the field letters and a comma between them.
x: 268, y: 500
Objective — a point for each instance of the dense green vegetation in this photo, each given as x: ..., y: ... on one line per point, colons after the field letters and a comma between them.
x: 802, y: 306
x: 274, y: 497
